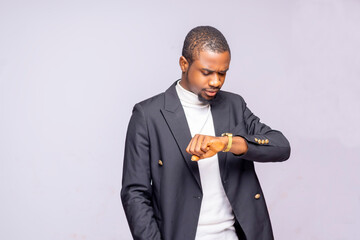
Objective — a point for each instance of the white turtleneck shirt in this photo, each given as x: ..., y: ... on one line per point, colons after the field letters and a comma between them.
x: 216, y: 220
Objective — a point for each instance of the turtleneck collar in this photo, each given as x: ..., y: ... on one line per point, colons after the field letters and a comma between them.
x: 187, y: 98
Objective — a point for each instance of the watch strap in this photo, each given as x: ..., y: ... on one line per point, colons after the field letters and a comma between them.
x: 230, y: 136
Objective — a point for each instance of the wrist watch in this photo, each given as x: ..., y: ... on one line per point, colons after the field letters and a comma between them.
x: 229, y: 135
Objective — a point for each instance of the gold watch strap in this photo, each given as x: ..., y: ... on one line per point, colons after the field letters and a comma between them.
x: 229, y: 135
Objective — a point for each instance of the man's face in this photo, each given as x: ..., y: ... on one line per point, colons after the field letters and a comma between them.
x: 206, y: 75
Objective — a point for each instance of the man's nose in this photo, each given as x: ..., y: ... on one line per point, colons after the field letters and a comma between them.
x: 215, y: 81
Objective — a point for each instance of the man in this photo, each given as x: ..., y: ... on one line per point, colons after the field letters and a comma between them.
x: 190, y: 152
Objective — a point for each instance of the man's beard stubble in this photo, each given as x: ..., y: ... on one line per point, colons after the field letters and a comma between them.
x: 201, y: 98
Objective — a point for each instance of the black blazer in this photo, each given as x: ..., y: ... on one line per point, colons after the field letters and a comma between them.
x: 161, y: 189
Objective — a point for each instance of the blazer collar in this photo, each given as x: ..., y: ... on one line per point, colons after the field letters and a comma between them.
x: 172, y: 101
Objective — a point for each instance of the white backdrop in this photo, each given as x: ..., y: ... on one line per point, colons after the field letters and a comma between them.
x: 71, y: 71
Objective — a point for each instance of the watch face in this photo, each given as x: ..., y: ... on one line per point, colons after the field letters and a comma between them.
x: 227, y: 134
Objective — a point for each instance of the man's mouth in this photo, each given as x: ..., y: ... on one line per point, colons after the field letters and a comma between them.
x: 211, y: 93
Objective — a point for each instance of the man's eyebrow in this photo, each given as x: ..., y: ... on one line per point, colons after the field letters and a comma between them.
x: 208, y: 70
x: 224, y: 70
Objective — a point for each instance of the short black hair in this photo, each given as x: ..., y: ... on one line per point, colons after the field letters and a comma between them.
x: 203, y: 38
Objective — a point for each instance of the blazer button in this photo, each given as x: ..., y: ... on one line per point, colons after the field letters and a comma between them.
x: 262, y: 141
x: 257, y: 196
x: 266, y: 141
x: 256, y: 139
x: 160, y: 163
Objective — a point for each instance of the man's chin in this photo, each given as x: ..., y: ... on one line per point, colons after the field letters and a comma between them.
x: 206, y: 99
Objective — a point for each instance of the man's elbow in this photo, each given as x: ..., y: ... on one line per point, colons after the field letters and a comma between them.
x: 285, y: 152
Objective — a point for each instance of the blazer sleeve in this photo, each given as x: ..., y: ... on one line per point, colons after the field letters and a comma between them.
x: 136, y: 192
x: 264, y: 143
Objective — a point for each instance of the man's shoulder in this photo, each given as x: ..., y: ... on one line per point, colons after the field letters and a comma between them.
x: 154, y: 100
x: 151, y: 103
x: 157, y: 101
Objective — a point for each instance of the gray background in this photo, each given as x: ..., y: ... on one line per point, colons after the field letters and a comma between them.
x: 71, y: 71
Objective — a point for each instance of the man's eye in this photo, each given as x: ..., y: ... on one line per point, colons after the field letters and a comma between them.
x: 206, y: 73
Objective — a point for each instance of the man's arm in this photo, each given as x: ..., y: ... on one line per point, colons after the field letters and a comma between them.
x: 264, y: 143
x: 136, y: 192
x: 255, y: 142
x: 203, y: 146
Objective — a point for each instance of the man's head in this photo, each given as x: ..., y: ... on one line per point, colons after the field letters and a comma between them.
x: 204, y: 62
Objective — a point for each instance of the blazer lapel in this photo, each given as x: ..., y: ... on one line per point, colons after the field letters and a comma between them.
x: 221, y: 117
x: 175, y: 118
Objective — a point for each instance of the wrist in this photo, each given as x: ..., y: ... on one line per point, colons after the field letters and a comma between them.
x: 228, y: 140
x: 224, y: 140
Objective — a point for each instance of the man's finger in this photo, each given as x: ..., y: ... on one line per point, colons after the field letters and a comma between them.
x: 198, y: 147
x: 193, y: 144
x: 205, y: 145
x: 195, y: 158
x: 188, y: 149
x: 208, y: 154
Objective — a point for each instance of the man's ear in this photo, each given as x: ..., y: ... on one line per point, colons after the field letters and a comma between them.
x: 184, y: 64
